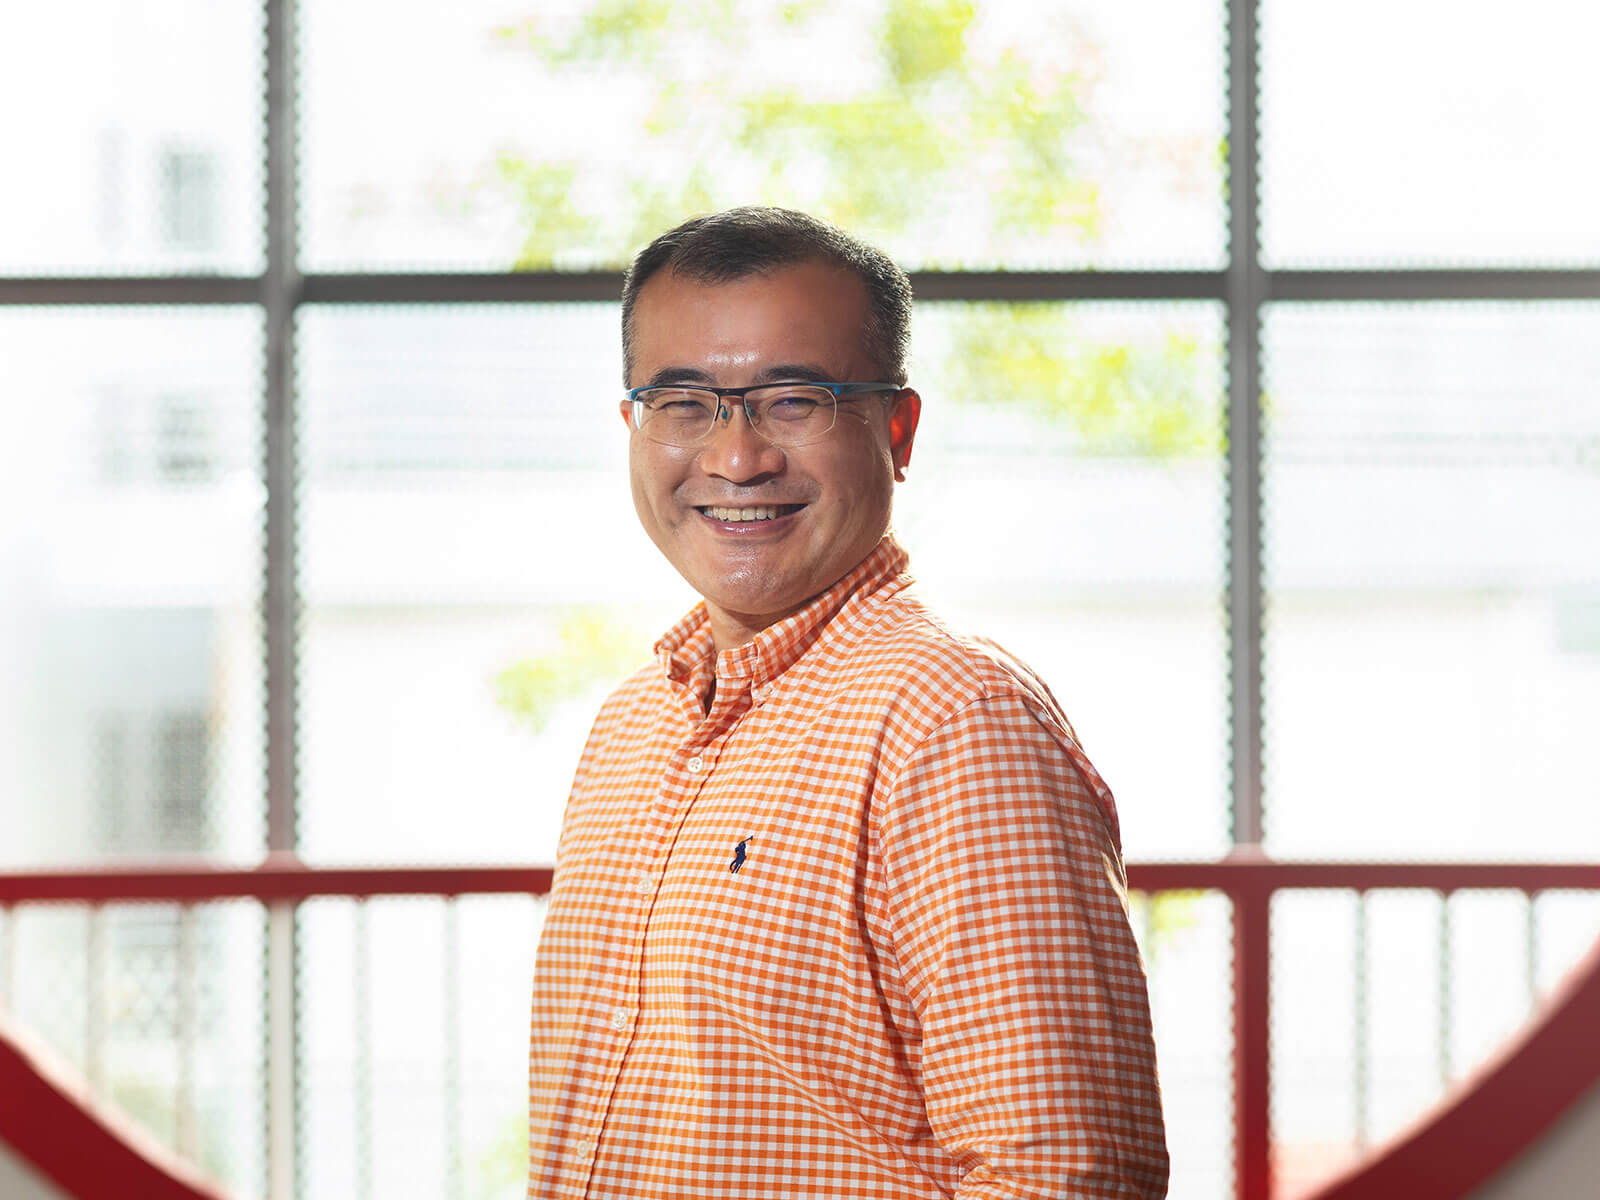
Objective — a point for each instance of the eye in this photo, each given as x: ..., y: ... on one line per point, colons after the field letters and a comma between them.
x: 795, y: 403
x: 680, y: 404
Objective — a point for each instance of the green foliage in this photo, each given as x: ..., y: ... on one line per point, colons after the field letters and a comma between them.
x: 924, y: 127
x: 1163, y: 918
x: 924, y: 42
x: 503, y: 1164
x: 1144, y: 399
x: 932, y: 131
x: 591, y: 647
x: 543, y: 193
x: 632, y: 30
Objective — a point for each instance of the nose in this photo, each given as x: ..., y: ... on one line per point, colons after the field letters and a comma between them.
x: 736, y: 452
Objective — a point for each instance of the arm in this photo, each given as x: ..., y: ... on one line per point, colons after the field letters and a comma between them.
x: 1010, y: 925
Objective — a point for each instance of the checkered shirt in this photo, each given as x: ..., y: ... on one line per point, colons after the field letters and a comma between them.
x: 859, y: 931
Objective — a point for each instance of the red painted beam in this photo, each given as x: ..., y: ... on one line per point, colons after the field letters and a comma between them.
x: 86, y: 1153
x: 278, y: 878
x: 1248, y: 869
x: 284, y: 877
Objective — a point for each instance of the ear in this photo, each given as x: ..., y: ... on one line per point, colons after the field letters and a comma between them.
x: 903, y: 419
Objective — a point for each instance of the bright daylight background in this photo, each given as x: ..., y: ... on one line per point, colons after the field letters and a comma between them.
x: 472, y: 576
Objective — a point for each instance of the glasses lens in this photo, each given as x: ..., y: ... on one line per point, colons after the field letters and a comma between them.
x: 676, y: 416
x: 790, y: 414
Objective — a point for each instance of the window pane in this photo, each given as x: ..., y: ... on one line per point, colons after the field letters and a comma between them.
x: 413, y: 1046
x: 1185, y: 939
x: 130, y: 567
x: 566, y: 135
x: 473, y: 574
x: 1429, y: 132
x: 139, y: 127
x: 475, y: 577
x: 1066, y: 499
x: 1432, y: 565
x: 158, y: 1009
x: 1384, y: 1001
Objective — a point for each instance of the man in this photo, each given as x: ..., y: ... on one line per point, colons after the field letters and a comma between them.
x: 839, y: 909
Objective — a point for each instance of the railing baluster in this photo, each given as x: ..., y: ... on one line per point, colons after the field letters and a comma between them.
x: 1362, y: 1047
x: 94, y: 1024
x: 1252, y: 1039
x: 363, y: 1042
x: 283, y: 1167
x: 185, y: 986
x: 452, y: 1047
x: 1446, y: 1000
x: 1532, y: 935
x: 8, y: 941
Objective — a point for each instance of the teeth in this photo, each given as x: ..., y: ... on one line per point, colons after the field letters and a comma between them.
x: 764, y: 512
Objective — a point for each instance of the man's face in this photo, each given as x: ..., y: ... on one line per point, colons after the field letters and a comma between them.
x: 833, y: 496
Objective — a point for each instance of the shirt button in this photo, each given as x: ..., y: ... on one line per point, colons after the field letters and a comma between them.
x: 696, y: 764
x: 584, y: 1150
x: 643, y: 884
x: 619, y: 1018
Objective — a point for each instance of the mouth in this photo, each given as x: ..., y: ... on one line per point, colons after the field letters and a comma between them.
x: 752, y: 512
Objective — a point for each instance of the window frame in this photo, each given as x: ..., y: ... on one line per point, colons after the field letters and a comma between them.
x: 1243, y: 287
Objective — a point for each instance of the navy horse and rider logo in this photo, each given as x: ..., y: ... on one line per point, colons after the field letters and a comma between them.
x: 739, y: 854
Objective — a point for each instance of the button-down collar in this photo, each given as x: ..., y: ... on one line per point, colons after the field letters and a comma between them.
x: 687, y: 652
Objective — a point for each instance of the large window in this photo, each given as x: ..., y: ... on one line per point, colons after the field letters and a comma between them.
x: 1259, y: 345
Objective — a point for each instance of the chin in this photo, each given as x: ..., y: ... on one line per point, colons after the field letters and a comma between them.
x: 762, y: 610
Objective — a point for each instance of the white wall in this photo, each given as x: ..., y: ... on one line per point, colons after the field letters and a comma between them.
x: 19, y: 1181
x: 1564, y: 1163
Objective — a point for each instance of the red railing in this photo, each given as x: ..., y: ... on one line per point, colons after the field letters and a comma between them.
x: 1459, y: 1146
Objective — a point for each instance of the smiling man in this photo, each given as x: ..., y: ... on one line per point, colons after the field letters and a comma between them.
x: 839, y: 908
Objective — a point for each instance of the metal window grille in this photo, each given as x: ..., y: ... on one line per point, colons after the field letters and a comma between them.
x: 189, y: 195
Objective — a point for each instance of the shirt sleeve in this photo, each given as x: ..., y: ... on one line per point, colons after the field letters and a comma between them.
x: 1008, y: 909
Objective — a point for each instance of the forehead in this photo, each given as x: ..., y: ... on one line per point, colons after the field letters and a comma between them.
x: 810, y: 313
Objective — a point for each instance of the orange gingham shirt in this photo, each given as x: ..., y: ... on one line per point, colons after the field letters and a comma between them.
x: 919, y: 982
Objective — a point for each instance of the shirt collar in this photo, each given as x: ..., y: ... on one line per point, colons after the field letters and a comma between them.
x: 686, y: 650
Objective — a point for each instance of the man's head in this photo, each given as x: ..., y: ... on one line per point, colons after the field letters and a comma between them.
x: 757, y: 520
x: 742, y: 242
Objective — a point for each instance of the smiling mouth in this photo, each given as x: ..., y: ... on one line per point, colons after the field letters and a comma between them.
x: 755, y: 512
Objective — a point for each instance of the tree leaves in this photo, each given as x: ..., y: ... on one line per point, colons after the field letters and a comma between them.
x: 592, y: 646
x: 899, y: 134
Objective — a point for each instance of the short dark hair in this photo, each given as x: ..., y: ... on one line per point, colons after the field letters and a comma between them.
x: 754, y: 240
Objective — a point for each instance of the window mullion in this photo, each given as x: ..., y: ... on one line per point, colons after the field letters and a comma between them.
x: 280, y: 294
x: 1245, y: 291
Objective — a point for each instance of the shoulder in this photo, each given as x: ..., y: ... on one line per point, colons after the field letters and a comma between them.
x: 973, y: 714
x: 894, y: 674
x: 903, y: 649
x: 633, y: 706
x: 641, y: 690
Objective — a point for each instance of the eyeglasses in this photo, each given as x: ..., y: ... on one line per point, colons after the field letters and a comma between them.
x: 785, y: 414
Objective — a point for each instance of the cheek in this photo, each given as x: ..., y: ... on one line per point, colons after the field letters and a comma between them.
x: 652, y: 475
x: 861, y: 479
x: 650, y: 501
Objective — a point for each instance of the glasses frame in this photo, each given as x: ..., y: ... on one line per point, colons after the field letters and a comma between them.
x: 842, y: 393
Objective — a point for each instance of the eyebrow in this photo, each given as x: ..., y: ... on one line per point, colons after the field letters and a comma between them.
x: 668, y: 376
x: 778, y: 373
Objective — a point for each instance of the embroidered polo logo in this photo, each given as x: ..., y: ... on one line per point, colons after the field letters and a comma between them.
x: 739, y: 855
